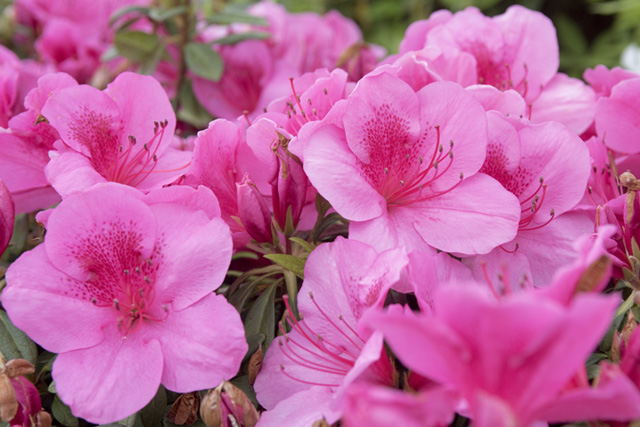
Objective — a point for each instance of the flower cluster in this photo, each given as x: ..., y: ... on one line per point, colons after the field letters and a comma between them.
x: 444, y: 233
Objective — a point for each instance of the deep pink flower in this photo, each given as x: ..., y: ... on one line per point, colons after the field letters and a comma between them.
x: 122, y: 288
x: 306, y: 370
x: 29, y: 402
x: 122, y: 134
x: 402, y: 166
x: 511, y: 359
x: 6, y: 217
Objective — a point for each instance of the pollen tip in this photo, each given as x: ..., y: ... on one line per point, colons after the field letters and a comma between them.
x: 461, y: 175
x: 310, y: 294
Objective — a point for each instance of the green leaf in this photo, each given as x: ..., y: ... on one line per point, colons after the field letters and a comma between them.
x: 52, y: 388
x: 127, y: 9
x: 261, y: 316
x: 240, y: 37
x: 152, y: 414
x: 229, y: 17
x: 162, y: 15
x: 190, y: 110
x: 253, y: 342
x: 136, y: 45
x: 203, y: 61
x: 150, y: 63
x: 62, y: 413
x: 14, y: 343
x: 305, y: 245
x: 290, y: 262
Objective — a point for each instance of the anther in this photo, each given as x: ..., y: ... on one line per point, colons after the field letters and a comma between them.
x: 94, y: 301
x: 461, y: 175
x: 451, y: 143
x: 325, y: 91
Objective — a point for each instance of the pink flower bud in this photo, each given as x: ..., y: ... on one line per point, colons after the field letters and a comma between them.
x: 226, y: 402
x: 254, y: 211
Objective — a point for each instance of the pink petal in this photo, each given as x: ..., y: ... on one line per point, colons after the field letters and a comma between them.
x: 70, y: 172
x: 202, y: 345
x: 85, y: 223
x: 35, y: 299
x: 6, y: 217
x: 333, y: 169
x: 301, y: 409
x: 197, y: 253
x: 112, y: 380
x: 617, y: 116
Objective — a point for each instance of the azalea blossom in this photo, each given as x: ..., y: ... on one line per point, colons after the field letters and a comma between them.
x: 123, y: 291
x: 403, y: 167
x: 306, y: 370
x: 122, y: 134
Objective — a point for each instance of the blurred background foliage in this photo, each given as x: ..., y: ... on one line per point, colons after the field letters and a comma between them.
x: 590, y: 32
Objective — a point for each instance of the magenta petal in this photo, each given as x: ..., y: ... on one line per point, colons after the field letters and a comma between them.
x: 202, y: 344
x: 35, y: 298
x: 614, y: 398
x: 333, y: 169
x: 112, y: 380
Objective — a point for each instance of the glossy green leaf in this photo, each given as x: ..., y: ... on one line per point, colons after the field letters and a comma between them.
x: 152, y: 414
x: 240, y: 37
x: 261, y: 316
x: 14, y: 343
x: 290, y: 262
x: 136, y: 45
x: 62, y: 413
x: 203, y: 61
x: 229, y: 17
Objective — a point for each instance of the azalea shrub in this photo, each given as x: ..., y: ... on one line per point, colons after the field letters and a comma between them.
x: 236, y: 217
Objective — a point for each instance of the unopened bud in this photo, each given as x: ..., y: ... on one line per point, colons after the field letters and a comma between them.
x: 17, y: 367
x: 227, y: 405
x: 43, y: 419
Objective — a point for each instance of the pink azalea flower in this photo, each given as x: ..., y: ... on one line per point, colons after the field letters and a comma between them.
x: 122, y: 288
x: 221, y: 161
x: 26, y: 147
x: 602, y: 80
x: 402, y: 166
x: 306, y: 370
x: 547, y: 168
x: 122, y: 134
x: 516, y: 50
x: 6, y: 217
x: 511, y: 359
x: 617, y: 117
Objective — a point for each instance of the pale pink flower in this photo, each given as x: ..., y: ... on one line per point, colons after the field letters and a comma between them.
x: 306, y: 370
x: 402, y: 167
x: 122, y: 134
x: 122, y: 288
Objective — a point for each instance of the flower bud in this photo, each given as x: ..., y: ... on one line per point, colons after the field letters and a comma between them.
x: 254, y: 211
x: 28, y: 399
x: 185, y: 409
x: 226, y: 403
